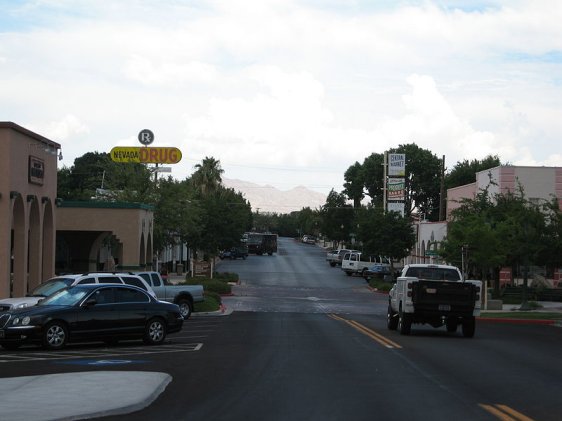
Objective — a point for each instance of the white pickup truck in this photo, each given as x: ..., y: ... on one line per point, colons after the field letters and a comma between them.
x: 356, y: 263
x: 434, y: 294
x: 182, y: 295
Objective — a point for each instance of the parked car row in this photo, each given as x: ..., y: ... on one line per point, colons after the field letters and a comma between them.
x: 308, y: 239
x: 106, y: 306
x: 86, y: 312
x: 353, y: 262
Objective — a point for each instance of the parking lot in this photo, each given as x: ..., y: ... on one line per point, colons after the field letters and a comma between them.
x: 190, y: 339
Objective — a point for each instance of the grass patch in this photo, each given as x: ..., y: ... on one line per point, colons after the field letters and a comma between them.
x: 211, y: 303
x: 380, y: 285
x: 524, y: 315
x: 219, y: 284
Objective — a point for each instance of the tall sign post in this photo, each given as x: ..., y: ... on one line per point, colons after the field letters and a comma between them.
x: 395, y: 183
x: 147, y: 155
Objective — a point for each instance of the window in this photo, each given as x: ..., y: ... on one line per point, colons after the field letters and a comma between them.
x: 155, y: 280
x: 104, y: 296
x: 128, y: 295
x: 87, y: 281
x: 109, y: 280
x: 129, y: 280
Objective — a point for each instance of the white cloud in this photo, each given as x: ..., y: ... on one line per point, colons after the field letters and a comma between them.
x: 289, y: 84
x: 66, y: 128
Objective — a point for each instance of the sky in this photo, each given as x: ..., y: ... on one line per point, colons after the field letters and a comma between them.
x: 287, y: 92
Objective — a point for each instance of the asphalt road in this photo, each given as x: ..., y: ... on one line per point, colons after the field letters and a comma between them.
x: 307, y: 342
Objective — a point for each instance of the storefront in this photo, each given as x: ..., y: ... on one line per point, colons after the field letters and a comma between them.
x: 28, y: 188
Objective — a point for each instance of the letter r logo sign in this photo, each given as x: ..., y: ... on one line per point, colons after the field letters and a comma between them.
x: 146, y: 137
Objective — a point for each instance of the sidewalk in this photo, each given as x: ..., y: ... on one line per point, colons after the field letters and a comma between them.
x: 88, y: 394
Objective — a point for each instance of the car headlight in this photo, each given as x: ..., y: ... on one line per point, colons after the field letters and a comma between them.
x: 23, y: 322
x: 22, y: 305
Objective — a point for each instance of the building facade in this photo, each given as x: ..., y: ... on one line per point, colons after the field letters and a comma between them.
x: 28, y: 187
x: 538, y: 184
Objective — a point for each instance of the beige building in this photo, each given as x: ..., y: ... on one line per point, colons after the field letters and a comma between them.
x: 36, y: 228
x: 28, y: 188
x: 86, y: 229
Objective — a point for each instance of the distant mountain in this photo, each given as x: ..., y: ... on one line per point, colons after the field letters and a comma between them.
x: 269, y: 199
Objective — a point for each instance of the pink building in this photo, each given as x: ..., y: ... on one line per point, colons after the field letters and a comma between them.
x: 538, y: 183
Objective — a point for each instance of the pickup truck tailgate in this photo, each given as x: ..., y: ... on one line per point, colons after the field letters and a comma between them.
x: 444, y: 297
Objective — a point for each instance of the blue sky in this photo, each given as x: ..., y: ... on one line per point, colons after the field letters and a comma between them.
x: 287, y: 92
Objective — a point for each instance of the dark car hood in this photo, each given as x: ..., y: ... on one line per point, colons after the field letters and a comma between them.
x: 34, y: 310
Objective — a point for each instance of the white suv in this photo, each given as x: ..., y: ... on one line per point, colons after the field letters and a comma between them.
x: 59, y: 282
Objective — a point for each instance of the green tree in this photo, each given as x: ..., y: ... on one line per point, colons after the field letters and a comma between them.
x: 354, y: 184
x: 373, y: 172
x: 337, y: 217
x: 551, y: 255
x: 95, y: 176
x: 177, y: 214
x: 464, y: 172
x: 385, y: 234
x: 208, y: 176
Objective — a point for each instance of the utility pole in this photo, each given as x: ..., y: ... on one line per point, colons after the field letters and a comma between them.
x: 384, y: 171
x: 442, y: 192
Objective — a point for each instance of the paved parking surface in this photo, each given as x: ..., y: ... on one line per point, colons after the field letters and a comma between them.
x: 190, y: 339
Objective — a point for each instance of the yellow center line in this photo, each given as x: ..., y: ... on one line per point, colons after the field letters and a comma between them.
x: 517, y: 415
x: 505, y: 413
x: 377, y: 337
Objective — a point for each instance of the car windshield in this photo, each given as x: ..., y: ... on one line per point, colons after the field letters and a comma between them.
x: 65, y: 297
x: 51, y: 286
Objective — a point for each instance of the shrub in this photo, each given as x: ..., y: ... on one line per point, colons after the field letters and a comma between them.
x: 380, y: 285
x: 211, y: 303
x: 226, y: 276
x: 211, y: 285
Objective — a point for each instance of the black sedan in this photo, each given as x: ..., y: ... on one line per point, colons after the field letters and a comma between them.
x: 105, y: 312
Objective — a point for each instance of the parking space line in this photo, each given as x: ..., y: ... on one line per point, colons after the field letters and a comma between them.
x: 56, y: 356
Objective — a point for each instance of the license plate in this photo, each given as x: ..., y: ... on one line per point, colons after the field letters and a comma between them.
x: 431, y: 290
x: 444, y: 307
x: 1, y: 333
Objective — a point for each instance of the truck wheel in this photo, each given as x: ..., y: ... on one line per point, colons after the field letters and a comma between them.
x: 391, y: 319
x: 451, y: 325
x: 348, y: 273
x: 468, y: 327
x: 332, y: 264
x: 404, y: 323
x: 185, y: 308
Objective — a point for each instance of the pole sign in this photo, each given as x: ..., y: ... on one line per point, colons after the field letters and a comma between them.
x: 146, y: 155
x: 397, y: 164
x: 396, y: 207
x: 396, y: 188
x: 146, y: 137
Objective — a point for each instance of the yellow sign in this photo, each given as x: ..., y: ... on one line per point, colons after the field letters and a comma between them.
x: 146, y: 155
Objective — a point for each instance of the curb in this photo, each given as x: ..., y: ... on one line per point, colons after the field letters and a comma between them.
x: 519, y: 321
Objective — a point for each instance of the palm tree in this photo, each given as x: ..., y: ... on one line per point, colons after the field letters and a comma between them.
x: 207, y: 177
